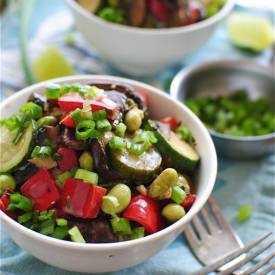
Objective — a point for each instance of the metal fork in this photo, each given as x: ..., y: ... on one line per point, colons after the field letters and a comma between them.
x: 210, y: 236
x: 246, y: 259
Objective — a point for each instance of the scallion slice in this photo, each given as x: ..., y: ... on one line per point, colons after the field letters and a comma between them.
x: 86, y: 176
x: 121, y: 226
x: 76, y: 235
x: 178, y: 195
x: 84, y: 129
x: 117, y: 144
x: 53, y: 91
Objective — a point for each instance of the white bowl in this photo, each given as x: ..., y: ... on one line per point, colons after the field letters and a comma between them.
x: 116, y: 256
x: 140, y: 51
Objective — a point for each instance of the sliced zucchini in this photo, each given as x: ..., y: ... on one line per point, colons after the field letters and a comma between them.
x: 12, y: 155
x: 138, y: 168
x: 176, y: 152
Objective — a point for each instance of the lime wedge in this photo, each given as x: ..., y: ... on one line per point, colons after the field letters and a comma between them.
x: 250, y: 31
x: 51, y: 64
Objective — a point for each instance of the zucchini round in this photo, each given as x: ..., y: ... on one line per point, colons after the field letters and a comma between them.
x: 176, y: 152
x: 138, y: 168
x: 12, y: 155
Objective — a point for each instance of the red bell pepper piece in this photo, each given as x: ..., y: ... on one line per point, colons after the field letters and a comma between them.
x: 81, y: 199
x: 70, y: 102
x: 146, y: 211
x: 68, y: 121
x: 41, y: 189
x: 188, y: 202
x: 160, y: 10
x: 171, y: 121
x: 4, y: 203
x: 68, y: 159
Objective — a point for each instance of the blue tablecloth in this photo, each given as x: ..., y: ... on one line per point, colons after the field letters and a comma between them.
x: 237, y: 183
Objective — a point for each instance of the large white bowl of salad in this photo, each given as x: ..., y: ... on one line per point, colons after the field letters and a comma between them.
x: 99, y: 173
x: 142, y: 37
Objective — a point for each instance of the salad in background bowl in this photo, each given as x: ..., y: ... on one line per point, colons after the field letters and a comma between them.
x: 98, y: 163
x: 145, y: 51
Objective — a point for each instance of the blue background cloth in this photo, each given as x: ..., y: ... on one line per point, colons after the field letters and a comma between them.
x: 238, y: 182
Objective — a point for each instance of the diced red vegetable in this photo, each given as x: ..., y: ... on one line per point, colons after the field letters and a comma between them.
x: 68, y: 121
x: 70, y: 102
x: 145, y: 211
x: 4, y: 203
x: 68, y: 159
x: 41, y: 189
x: 160, y: 10
x: 171, y: 121
x: 81, y: 199
x: 188, y: 202
x: 194, y: 13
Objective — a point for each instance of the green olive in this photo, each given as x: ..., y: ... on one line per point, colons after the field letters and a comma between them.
x: 47, y: 120
x: 133, y: 119
x: 109, y: 204
x: 173, y: 212
x: 162, y: 185
x: 123, y: 194
x: 6, y: 182
x: 86, y: 161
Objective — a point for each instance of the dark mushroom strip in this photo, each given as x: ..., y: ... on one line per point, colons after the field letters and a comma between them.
x: 69, y: 140
x: 137, y: 12
x: 121, y: 88
x: 48, y: 134
x: 95, y: 231
x: 39, y: 100
x: 24, y: 171
x: 101, y: 162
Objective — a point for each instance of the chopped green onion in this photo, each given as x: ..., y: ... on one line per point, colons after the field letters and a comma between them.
x: 99, y: 115
x: 18, y: 201
x: 25, y: 217
x: 34, y: 109
x: 104, y: 125
x: 117, y: 144
x: 86, y: 176
x: 120, y: 129
x: 47, y: 227
x: 53, y: 91
x: 121, y: 226
x: 93, y: 91
x: 245, y: 212
x: 84, y: 129
x: 137, y: 148
x: 12, y: 122
x: 137, y: 233
x: 47, y: 120
x: 76, y: 115
x: 185, y: 134
x: 24, y: 122
x: 41, y: 152
x: 45, y: 215
x: 60, y: 232
x: 61, y: 222
x: 63, y: 177
x: 76, y: 235
x: 178, y: 195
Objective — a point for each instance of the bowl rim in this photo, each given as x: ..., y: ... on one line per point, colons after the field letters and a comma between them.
x: 227, y: 7
x: 222, y: 63
x: 131, y: 243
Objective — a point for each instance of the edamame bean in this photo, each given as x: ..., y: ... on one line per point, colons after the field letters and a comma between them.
x: 183, y: 181
x: 47, y: 120
x: 117, y: 199
x: 133, y: 119
x: 6, y: 182
x: 161, y: 186
x: 109, y: 204
x: 173, y: 212
x: 86, y: 161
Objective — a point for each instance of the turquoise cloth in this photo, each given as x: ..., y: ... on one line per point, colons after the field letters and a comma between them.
x: 237, y: 183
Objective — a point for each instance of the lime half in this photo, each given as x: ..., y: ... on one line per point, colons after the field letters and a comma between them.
x: 51, y: 64
x: 250, y: 31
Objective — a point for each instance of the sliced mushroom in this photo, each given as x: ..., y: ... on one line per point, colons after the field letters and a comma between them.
x: 24, y: 171
x: 48, y: 134
x: 69, y: 140
x: 101, y: 163
x: 47, y: 163
x: 90, y: 5
x: 137, y: 12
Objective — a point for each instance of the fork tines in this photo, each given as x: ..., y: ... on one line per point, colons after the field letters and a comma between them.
x: 247, y: 258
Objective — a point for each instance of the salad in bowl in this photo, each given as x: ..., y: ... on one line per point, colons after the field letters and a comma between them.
x: 87, y: 163
x: 105, y: 172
